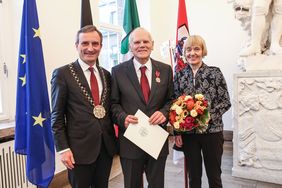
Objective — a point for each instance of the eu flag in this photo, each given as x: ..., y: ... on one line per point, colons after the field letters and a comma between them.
x: 33, y: 136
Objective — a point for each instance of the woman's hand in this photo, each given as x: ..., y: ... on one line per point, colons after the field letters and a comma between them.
x: 178, y: 141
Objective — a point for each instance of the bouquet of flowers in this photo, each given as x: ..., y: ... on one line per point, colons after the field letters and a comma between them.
x: 188, y: 113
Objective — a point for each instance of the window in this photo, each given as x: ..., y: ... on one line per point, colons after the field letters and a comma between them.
x: 109, y: 56
x: 4, y: 107
x: 110, y: 20
x: 111, y: 12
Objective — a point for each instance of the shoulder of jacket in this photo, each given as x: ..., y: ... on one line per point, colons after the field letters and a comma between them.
x: 122, y: 65
x: 160, y: 64
x: 104, y: 70
x: 213, y: 68
x: 62, y: 68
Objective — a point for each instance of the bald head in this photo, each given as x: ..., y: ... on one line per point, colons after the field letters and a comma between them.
x: 139, y: 30
x: 141, y: 44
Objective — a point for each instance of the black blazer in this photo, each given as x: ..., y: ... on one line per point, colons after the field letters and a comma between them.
x: 127, y: 98
x: 73, y: 123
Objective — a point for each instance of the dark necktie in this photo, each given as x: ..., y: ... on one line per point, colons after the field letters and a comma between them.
x: 94, y: 86
x: 144, y: 84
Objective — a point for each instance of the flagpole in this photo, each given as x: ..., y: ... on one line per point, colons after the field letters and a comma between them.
x: 182, y: 33
x: 171, y: 56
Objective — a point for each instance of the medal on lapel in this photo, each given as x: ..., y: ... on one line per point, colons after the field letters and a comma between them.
x: 158, y: 74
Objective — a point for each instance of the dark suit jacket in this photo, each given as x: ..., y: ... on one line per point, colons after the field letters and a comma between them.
x: 127, y: 98
x: 73, y: 123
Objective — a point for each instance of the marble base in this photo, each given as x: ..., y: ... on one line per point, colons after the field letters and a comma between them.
x: 260, y: 175
x: 260, y: 63
x: 257, y: 135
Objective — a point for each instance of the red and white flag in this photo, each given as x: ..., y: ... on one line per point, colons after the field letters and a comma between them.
x: 182, y: 32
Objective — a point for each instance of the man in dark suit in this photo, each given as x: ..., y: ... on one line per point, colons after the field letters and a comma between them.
x: 149, y: 90
x: 82, y: 127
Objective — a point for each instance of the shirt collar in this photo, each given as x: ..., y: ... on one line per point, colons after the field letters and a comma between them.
x: 85, y: 66
x: 137, y: 65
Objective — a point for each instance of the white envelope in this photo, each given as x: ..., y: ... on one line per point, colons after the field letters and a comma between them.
x: 149, y: 138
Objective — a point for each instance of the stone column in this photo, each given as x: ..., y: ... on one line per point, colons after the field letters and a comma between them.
x: 257, y: 135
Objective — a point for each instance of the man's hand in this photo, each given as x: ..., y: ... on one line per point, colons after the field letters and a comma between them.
x: 130, y: 119
x: 67, y: 159
x: 178, y: 141
x: 157, y: 118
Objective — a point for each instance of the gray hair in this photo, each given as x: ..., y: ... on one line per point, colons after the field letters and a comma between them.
x: 88, y: 29
x: 138, y: 29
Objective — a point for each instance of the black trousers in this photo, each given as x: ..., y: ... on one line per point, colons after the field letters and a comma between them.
x: 208, y: 147
x: 133, y: 171
x: 95, y: 175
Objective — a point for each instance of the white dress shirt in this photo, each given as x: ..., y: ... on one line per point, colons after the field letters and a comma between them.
x: 148, y: 72
x: 87, y: 73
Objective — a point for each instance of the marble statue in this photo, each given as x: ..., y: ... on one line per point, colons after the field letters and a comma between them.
x: 260, y: 109
x: 263, y: 21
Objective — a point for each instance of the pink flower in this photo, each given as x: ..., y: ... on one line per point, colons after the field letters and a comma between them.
x: 188, y: 124
x: 205, y: 103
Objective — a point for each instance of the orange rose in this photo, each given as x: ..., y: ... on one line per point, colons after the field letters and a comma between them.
x: 190, y: 104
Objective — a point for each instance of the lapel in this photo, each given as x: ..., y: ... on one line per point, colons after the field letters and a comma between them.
x: 82, y: 79
x: 104, y: 82
x: 155, y: 68
x: 132, y: 76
